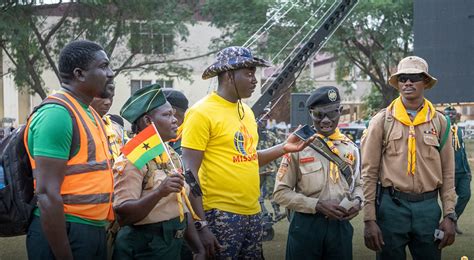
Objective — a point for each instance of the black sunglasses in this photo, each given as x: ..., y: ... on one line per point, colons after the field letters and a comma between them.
x: 412, y: 77
x: 320, y: 115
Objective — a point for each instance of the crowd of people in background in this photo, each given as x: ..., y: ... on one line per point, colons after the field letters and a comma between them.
x: 94, y: 202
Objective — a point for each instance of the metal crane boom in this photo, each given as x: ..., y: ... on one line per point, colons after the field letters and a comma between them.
x: 287, y: 74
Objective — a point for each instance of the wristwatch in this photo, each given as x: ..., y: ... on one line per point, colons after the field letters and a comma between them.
x: 200, y: 224
x: 452, y: 216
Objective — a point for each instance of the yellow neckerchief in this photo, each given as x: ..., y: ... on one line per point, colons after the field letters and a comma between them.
x: 336, y: 136
x: 399, y: 112
x: 112, y: 138
x: 457, y: 144
x: 178, y: 134
x: 162, y: 160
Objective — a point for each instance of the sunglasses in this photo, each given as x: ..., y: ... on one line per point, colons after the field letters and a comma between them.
x: 320, y: 115
x: 412, y: 77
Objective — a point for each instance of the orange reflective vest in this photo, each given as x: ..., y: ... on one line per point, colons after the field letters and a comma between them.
x: 87, y: 188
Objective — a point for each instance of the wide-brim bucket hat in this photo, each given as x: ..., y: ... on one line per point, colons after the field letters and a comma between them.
x: 233, y: 58
x: 412, y: 65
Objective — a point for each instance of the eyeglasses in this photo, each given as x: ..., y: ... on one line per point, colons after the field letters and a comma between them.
x: 412, y: 77
x: 320, y: 115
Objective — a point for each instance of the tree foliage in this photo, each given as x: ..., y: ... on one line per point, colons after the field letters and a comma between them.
x: 376, y: 35
x: 32, y: 35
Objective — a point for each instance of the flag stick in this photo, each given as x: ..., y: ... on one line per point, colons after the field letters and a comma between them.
x: 166, y: 148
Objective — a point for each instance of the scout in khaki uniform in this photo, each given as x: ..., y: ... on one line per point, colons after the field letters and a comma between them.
x: 313, y: 187
x: 462, y: 171
x: 148, y: 202
x: 413, y: 169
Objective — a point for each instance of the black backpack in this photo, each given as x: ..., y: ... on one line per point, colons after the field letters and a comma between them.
x: 17, y: 198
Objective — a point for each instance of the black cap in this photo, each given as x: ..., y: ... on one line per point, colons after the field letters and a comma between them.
x: 176, y: 98
x: 323, y: 96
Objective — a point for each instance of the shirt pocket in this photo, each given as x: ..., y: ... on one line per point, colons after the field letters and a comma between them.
x: 431, y: 146
x: 309, y: 168
x: 395, y: 142
x: 312, y: 178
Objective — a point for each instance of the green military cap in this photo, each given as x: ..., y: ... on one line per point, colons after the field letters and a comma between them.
x: 142, y: 101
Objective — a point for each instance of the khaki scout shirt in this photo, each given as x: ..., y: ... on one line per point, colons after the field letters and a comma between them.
x: 129, y: 184
x: 434, y: 169
x: 303, y: 179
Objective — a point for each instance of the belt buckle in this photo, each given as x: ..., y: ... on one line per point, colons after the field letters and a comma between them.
x: 179, y: 234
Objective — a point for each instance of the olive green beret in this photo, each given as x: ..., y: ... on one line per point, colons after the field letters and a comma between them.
x: 142, y: 101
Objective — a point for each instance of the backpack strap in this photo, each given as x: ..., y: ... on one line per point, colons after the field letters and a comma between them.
x: 446, y: 133
x: 388, y: 124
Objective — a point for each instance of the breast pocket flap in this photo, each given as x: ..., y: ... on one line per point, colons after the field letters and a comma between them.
x: 311, y: 167
x: 431, y: 140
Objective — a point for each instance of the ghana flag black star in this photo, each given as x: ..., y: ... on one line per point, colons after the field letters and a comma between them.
x: 146, y: 146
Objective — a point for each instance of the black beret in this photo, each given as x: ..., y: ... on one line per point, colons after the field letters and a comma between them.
x: 323, y: 96
x: 176, y: 98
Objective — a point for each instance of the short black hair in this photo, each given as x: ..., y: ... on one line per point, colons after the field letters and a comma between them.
x: 76, y: 54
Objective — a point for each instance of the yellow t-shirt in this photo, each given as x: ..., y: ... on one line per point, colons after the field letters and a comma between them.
x: 229, y: 170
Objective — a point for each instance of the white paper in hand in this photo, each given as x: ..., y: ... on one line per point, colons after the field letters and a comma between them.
x: 347, y: 204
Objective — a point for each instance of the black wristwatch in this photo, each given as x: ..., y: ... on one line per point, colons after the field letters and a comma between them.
x: 452, y: 216
x: 200, y: 224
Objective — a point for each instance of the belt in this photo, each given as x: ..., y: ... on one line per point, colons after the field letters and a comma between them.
x: 157, y: 229
x: 154, y: 227
x: 411, y: 197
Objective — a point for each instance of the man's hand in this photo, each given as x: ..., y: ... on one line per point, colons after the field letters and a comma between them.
x: 373, y: 236
x: 331, y: 209
x: 172, y: 183
x: 209, y: 242
x: 295, y: 144
x: 449, y: 228
x: 353, y: 212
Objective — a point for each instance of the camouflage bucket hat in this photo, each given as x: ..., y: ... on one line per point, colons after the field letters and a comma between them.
x: 412, y: 65
x: 233, y: 58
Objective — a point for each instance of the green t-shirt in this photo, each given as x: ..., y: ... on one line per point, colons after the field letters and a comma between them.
x: 50, y: 135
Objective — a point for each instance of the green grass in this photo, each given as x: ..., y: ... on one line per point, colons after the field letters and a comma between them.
x: 14, y: 248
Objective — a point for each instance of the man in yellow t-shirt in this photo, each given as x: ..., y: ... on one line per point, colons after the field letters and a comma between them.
x: 220, y: 146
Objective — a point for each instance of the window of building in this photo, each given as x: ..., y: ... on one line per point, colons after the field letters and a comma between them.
x: 146, y: 39
x: 138, y: 84
x: 165, y: 83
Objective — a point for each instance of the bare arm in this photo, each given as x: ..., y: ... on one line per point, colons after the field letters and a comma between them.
x: 49, y: 175
x: 132, y: 211
x: 192, y: 160
x: 192, y: 238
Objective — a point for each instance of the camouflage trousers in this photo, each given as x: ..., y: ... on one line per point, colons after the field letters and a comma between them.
x: 239, y: 235
x: 267, y: 184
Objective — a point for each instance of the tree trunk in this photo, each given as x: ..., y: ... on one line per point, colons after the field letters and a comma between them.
x: 389, y: 93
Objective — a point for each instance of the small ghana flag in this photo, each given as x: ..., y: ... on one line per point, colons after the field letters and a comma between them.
x: 144, y: 147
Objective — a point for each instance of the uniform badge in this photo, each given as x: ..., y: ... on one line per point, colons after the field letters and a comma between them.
x: 307, y: 160
x: 282, y: 171
x: 349, y: 156
x: 287, y: 157
x: 332, y: 95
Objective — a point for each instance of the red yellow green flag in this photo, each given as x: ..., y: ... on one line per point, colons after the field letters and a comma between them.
x: 144, y: 147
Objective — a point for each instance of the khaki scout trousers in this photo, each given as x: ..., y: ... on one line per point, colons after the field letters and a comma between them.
x: 412, y: 224
x: 313, y: 236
